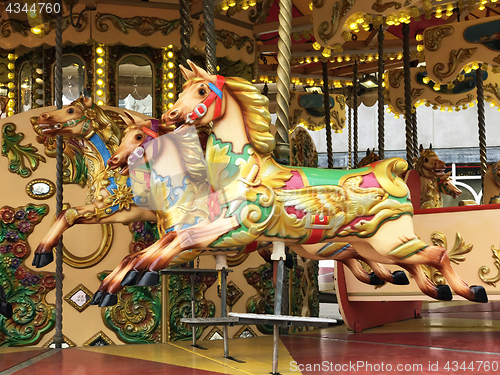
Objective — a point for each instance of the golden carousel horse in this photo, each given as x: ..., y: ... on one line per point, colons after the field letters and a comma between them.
x: 178, y: 205
x: 433, y: 180
x: 313, y: 211
x: 92, y: 134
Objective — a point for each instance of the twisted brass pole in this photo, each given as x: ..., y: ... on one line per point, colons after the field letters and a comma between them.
x: 209, y: 18
x: 481, y: 122
x: 58, y: 336
x: 407, y: 80
x: 349, y: 135
x: 326, y: 99
x: 415, y: 133
x: 185, y: 32
x: 282, y: 150
x: 355, y: 109
x: 380, y: 89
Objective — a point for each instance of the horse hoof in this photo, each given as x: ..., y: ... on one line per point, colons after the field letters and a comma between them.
x: 43, y: 259
x: 289, y: 261
x: 444, y: 293
x: 375, y: 280
x: 479, y: 294
x: 97, y: 298
x: 400, y: 278
x: 109, y: 299
x: 149, y: 278
x: 131, y: 278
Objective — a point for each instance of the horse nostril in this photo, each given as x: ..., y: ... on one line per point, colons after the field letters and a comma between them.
x: 174, y: 114
x: 44, y: 116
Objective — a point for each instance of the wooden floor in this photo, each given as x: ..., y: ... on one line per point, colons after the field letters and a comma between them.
x: 453, y: 338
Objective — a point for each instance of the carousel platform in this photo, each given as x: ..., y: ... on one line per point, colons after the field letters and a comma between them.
x: 455, y: 337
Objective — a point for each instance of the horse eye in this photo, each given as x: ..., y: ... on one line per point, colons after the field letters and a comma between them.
x: 138, y: 137
x: 202, y: 92
x: 70, y: 110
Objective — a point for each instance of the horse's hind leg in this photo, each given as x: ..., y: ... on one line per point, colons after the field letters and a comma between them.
x: 396, y: 277
x: 475, y: 293
x: 439, y: 292
x: 417, y: 252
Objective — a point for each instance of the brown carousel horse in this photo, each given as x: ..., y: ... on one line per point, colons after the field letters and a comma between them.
x: 186, y: 156
x: 311, y: 210
x: 433, y: 179
x: 371, y: 157
x: 93, y: 134
x: 492, y: 184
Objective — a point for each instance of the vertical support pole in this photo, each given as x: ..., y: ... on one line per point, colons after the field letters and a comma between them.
x: 184, y: 11
x: 349, y: 134
x: 326, y: 103
x: 380, y: 89
x: 407, y: 81
x: 164, y: 309
x: 209, y: 18
x: 355, y: 109
x: 223, y: 309
x: 282, y: 150
x: 58, y: 336
x: 415, y: 133
x: 481, y: 122
x: 278, y: 255
x: 193, y: 312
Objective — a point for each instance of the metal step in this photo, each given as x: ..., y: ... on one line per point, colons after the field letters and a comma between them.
x: 284, y: 320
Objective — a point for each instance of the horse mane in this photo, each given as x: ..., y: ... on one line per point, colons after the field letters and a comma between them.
x: 102, y: 122
x: 420, y: 162
x: 255, y: 108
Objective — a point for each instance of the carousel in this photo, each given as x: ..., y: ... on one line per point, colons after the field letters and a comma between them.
x: 238, y: 225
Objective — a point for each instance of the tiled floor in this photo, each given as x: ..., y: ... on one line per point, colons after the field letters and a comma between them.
x: 453, y: 338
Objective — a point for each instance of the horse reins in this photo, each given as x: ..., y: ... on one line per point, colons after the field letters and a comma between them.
x: 201, y: 109
x: 74, y: 122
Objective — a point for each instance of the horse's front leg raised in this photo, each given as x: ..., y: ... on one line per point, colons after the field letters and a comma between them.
x: 66, y: 219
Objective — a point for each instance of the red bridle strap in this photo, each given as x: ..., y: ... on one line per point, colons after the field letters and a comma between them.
x: 216, y: 94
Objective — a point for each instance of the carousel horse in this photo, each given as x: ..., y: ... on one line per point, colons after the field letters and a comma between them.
x: 492, y: 184
x: 433, y: 180
x: 93, y: 132
x: 371, y: 157
x: 310, y: 210
x: 173, y: 213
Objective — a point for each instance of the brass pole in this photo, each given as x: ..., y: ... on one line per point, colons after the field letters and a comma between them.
x: 326, y: 100
x: 380, y: 89
x: 407, y: 81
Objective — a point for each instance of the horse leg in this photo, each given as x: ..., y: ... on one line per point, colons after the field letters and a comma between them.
x: 396, y: 277
x: 439, y: 292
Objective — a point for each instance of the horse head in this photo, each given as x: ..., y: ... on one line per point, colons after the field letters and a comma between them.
x: 447, y: 187
x: 429, y: 165
x: 76, y: 120
x: 137, y: 133
x: 201, y: 100
x: 371, y: 157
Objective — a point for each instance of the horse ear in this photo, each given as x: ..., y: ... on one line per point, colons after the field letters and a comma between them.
x: 421, y: 148
x: 87, y: 101
x: 368, y: 151
x: 186, y: 73
x: 128, y: 118
x: 86, y: 93
x: 430, y: 146
x: 200, y: 72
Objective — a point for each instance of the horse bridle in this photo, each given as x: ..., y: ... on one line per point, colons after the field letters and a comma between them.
x: 86, y: 125
x: 152, y: 134
x: 201, y: 108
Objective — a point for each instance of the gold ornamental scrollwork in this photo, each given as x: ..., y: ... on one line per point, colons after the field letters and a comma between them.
x: 395, y: 78
x: 493, y: 88
x: 465, y: 100
x: 434, y: 36
x: 94, y: 258
x: 379, y: 7
x: 442, y: 101
x: 327, y: 30
x: 497, y: 59
x: 484, y: 270
x: 456, y: 255
x: 143, y: 25
x: 229, y: 39
x: 456, y: 57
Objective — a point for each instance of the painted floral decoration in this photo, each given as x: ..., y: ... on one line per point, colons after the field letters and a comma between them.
x: 25, y: 288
